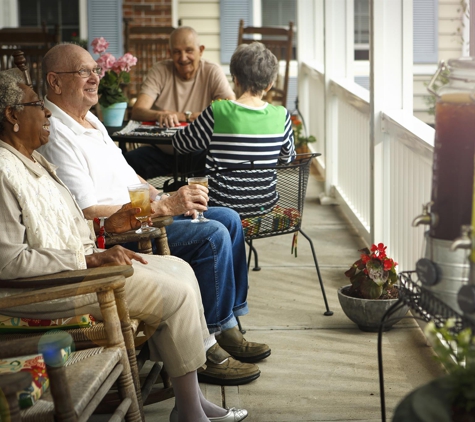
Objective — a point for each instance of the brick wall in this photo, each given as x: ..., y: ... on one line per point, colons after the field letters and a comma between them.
x: 148, y: 12
x: 144, y: 13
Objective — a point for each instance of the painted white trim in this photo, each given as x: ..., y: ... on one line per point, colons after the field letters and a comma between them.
x: 83, y: 19
x: 257, y: 12
x: 472, y: 27
x: 175, y: 13
x: 466, y: 31
x: 9, y: 14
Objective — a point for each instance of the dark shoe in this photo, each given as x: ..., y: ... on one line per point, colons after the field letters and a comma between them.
x: 239, y: 348
x: 233, y: 415
x: 223, y: 369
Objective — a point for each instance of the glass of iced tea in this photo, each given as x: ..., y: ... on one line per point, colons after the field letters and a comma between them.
x: 140, y: 197
x: 204, y: 182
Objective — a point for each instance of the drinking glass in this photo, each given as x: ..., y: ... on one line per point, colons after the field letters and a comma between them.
x: 204, y: 182
x: 140, y: 197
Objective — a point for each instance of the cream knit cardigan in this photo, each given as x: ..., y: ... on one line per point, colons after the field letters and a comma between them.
x: 46, y: 216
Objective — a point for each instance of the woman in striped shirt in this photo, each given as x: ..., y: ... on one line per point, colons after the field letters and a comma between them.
x: 243, y: 133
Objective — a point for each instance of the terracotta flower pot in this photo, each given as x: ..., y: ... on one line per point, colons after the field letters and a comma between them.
x: 367, y: 313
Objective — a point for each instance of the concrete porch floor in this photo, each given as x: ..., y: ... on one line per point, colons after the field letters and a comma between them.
x: 322, y: 368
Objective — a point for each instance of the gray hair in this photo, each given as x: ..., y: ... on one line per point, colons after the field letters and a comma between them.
x: 254, y: 66
x: 10, y: 92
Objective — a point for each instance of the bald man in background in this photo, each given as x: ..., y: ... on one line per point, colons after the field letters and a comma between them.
x: 174, y: 91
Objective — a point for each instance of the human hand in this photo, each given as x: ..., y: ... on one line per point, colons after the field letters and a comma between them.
x: 168, y: 119
x: 123, y: 220
x: 117, y: 255
x: 187, y: 200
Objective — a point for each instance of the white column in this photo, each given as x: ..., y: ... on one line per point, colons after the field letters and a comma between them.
x: 391, y: 35
x: 9, y: 14
x: 83, y: 20
x: 472, y: 27
x: 338, y: 58
x: 310, y: 33
x: 175, y: 16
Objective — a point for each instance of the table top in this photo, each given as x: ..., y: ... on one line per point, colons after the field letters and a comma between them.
x: 145, y: 134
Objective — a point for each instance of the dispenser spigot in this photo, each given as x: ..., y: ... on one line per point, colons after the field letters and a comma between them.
x: 465, y: 239
x: 425, y: 217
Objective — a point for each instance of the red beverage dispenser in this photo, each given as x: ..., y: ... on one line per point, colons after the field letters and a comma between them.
x: 445, y: 270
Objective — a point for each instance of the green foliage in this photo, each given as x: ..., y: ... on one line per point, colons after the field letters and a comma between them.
x: 79, y: 41
x: 456, y: 351
x: 431, y: 99
x: 299, y: 139
x: 109, y: 88
x: 373, y: 275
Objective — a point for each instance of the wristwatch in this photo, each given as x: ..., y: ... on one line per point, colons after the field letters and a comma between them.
x: 188, y: 116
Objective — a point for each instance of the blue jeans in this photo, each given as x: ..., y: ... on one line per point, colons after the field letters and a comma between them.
x: 217, y: 254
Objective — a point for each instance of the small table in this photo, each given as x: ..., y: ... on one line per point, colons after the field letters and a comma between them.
x: 145, y: 239
x: 155, y: 139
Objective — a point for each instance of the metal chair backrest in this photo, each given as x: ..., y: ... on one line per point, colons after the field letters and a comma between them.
x: 279, y: 41
x: 284, y: 215
x: 150, y: 45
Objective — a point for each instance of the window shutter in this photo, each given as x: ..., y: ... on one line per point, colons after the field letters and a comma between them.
x: 231, y: 11
x: 104, y: 19
x: 278, y: 12
x: 425, y: 31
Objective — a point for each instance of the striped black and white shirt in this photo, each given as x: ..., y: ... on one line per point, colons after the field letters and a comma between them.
x: 240, y: 137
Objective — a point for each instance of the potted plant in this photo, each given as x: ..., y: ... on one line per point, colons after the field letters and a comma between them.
x: 372, y: 290
x: 449, y: 398
x: 115, y: 73
x: 301, y: 142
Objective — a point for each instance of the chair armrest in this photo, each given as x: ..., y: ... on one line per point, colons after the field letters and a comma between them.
x: 68, y: 277
x: 49, y: 344
x: 63, y: 291
x: 162, y: 221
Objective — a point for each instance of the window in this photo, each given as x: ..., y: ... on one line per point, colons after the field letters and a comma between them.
x: 273, y: 13
x: 64, y: 13
x: 278, y: 12
x: 361, y: 30
x: 425, y: 13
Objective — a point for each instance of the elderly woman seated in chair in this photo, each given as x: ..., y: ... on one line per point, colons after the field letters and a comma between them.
x: 236, y: 132
x: 44, y: 231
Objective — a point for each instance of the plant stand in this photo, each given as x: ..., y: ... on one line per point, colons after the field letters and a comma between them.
x: 427, y: 306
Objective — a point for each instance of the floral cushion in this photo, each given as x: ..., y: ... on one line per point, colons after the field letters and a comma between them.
x: 285, y: 218
x: 36, y: 366
x: 12, y: 325
x: 251, y: 225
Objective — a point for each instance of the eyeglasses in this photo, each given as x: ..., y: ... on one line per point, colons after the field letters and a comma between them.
x: 85, y: 73
x: 39, y: 103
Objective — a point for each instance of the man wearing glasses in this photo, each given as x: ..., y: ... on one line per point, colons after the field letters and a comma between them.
x: 96, y: 173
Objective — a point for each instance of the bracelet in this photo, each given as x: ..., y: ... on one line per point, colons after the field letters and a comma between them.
x: 101, y: 237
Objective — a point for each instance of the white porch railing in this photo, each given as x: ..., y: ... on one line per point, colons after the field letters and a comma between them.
x: 405, y: 175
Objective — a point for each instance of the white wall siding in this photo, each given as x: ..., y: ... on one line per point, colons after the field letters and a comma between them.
x: 9, y: 13
x: 203, y: 16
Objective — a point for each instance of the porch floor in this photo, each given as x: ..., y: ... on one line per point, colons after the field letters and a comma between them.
x: 322, y: 368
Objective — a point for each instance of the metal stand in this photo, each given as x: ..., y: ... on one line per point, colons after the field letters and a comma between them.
x: 252, y: 250
x: 427, y: 306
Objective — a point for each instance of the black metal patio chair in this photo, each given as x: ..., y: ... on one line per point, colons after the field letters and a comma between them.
x: 285, y: 217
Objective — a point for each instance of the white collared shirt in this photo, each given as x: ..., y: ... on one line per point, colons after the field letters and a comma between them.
x: 88, y: 161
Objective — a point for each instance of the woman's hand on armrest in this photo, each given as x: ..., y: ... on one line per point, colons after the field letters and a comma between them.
x: 117, y: 255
